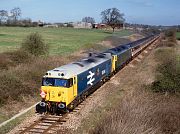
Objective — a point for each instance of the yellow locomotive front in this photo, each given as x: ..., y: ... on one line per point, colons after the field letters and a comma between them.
x: 57, y: 92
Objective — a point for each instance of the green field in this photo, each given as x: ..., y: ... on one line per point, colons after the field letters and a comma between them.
x: 60, y: 40
x: 178, y: 35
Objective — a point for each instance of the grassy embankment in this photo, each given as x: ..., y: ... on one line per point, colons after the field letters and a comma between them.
x: 178, y: 35
x: 136, y: 107
x: 21, y: 72
x: 61, y: 40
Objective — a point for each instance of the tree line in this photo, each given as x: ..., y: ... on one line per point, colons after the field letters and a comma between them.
x: 12, y: 18
x: 112, y: 17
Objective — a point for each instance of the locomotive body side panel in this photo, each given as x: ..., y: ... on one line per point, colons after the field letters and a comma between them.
x: 122, y: 58
x: 92, y: 76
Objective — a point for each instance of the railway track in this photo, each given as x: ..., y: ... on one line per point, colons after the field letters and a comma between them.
x: 48, y: 124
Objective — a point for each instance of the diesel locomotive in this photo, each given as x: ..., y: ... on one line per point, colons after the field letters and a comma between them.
x: 63, y: 88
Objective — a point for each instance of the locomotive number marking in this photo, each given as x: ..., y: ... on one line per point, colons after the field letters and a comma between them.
x: 103, y: 72
x: 90, y: 77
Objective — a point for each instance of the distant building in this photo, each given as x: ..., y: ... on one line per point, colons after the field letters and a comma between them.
x: 65, y: 24
x: 140, y: 28
x: 129, y: 28
x: 99, y: 26
x: 95, y: 25
x: 40, y: 23
x: 82, y: 25
x: 52, y: 26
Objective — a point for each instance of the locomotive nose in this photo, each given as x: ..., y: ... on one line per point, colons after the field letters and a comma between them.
x: 55, y: 95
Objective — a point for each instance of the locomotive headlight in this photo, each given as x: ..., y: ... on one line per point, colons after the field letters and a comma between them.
x: 43, y: 94
x: 42, y: 104
x: 61, y: 105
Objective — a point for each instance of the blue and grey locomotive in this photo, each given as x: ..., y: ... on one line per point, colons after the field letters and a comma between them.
x: 65, y: 87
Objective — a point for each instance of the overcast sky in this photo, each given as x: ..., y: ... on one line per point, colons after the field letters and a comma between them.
x: 154, y: 12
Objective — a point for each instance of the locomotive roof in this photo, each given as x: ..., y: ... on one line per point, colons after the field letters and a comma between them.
x: 119, y: 49
x: 138, y: 42
x: 70, y: 70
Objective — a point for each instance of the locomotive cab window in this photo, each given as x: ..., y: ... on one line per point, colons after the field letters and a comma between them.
x: 56, y: 82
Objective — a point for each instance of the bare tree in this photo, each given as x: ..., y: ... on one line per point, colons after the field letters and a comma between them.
x: 3, y: 15
x: 112, y: 17
x: 27, y: 22
x: 88, y: 20
x: 16, y: 13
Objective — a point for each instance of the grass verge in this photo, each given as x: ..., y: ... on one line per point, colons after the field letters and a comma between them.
x: 178, y: 35
x: 9, y: 126
x: 168, y: 71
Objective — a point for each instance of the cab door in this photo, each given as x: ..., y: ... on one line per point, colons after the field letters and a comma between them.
x: 75, y: 86
x: 114, y: 63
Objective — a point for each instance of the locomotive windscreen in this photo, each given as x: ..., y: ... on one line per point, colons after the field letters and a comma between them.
x: 56, y: 82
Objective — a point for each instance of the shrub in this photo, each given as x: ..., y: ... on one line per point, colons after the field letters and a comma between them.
x: 5, y: 62
x: 167, y: 44
x: 34, y: 44
x: 168, y: 72
x: 171, y: 35
x: 12, y: 87
x: 20, y: 56
x: 171, y: 44
x: 14, y: 58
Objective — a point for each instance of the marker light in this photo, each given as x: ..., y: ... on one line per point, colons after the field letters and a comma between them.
x: 43, y: 94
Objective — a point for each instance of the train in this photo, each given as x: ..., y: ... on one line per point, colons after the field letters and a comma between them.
x: 63, y: 88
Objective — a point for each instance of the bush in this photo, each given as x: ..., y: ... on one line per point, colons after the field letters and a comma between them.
x: 171, y: 35
x: 171, y: 44
x: 20, y: 56
x: 35, y: 45
x: 12, y: 87
x: 168, y: 72
x: 14, y: 58
x: 5, y: 62
x: 22, y: 81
